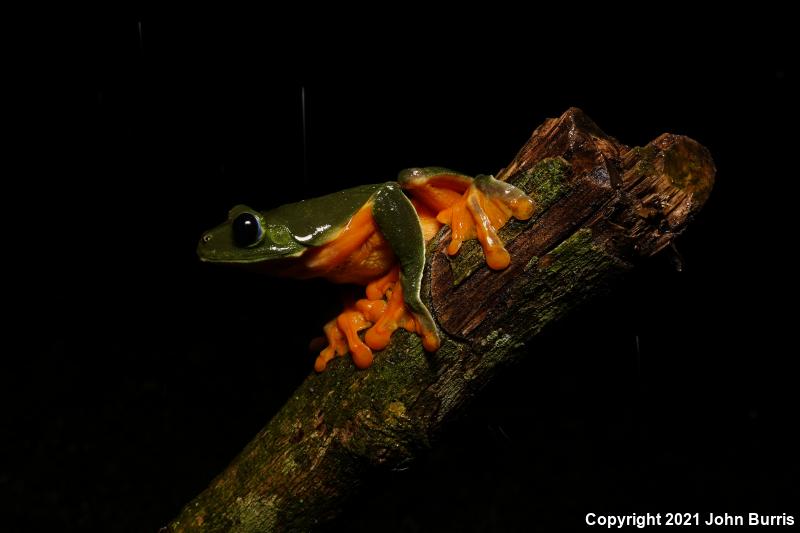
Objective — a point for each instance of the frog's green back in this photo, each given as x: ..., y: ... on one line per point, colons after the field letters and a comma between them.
x: 315, y: 221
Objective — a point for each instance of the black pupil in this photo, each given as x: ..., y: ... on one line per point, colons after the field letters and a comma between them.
x: 245, y: 229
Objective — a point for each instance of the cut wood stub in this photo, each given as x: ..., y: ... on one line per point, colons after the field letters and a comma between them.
x: 621, y: 203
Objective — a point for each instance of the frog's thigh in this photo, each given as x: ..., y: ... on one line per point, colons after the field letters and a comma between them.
x: 398, y: 222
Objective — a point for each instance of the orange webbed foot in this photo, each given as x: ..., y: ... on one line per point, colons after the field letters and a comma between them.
x: 482, y: 210
x: 381, y: 314
x: 342, y: 336
x: 473, y: 208
x: 396, y: 314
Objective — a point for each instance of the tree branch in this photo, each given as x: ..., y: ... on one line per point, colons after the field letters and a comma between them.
x: 601, y: 206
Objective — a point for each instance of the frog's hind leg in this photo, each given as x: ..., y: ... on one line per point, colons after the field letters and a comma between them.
x: 473, y: 208
x: 398, y: 222
x: 385, y: 310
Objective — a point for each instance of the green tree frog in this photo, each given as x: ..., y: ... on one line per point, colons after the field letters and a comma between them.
x: 375, y: 236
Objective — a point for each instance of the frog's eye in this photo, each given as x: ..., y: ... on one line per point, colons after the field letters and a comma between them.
x: 246, y: 229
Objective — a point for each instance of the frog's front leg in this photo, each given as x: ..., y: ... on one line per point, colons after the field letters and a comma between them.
x: 473, y: 208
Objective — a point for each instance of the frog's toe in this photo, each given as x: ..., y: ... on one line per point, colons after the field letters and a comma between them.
x: 393, y: 316
x: 351, y: 322
x: 337, y: 345
x: 430, y: 337
x: 378, y: 288
x: 342, y: 336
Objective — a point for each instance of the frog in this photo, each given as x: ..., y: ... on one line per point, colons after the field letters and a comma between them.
x: 373, y: 236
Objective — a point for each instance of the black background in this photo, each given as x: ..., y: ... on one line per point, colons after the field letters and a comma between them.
x: 141, y: 372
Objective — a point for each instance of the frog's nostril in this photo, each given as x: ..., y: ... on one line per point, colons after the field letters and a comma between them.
x: 206, y: 237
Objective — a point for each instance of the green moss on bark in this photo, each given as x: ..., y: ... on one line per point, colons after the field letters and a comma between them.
x: 645, y: 156
x: 545, y: 182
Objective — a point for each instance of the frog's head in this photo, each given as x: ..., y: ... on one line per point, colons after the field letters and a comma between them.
x: 247, y: 237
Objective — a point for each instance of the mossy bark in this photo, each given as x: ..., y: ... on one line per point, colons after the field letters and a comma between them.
x: 601, y: 206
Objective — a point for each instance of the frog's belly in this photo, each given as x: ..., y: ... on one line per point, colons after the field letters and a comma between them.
x: 369, y: 262
x: 359, y: 254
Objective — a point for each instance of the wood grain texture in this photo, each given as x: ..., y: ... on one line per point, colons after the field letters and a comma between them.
x: 601, y: 207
